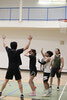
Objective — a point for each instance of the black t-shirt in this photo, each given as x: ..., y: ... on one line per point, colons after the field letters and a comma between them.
x: 14, y: 57
x: 32, y: 63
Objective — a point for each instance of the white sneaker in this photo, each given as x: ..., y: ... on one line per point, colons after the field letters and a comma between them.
x: 46, y: 95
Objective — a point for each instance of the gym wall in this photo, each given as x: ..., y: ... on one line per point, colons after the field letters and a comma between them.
x: 48, y: 39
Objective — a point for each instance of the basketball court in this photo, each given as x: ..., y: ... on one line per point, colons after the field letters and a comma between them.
x: 12, y: 92
x: 46, y: 22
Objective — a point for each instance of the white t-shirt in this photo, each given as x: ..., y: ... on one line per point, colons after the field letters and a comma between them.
x: 46, y: 67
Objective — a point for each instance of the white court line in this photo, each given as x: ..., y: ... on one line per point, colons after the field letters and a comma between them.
x: 62, y: 91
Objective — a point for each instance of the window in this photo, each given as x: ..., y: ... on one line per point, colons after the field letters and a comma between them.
x: 52, y: 1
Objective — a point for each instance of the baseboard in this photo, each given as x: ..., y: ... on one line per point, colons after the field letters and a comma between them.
x: 21, y: 69
x: 28, y: 70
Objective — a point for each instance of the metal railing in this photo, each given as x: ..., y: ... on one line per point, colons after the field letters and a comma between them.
x: 34, y: 13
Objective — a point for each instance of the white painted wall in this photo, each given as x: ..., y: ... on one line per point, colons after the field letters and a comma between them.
x: 26, y: 3
x: 49, y: 39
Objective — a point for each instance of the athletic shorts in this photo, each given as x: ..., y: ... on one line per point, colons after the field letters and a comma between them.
x: 13, y: 72
x: 55, y: 71
x: 46, y: 77
x: 33, y: 73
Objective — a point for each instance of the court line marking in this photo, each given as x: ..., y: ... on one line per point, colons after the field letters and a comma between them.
x: 62, y: 91
x: 18, y: 89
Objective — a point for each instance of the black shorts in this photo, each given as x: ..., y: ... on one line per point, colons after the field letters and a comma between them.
x: 55, y: 71
x: 13, y: 72
x: 46, y: 77
x: 33, y: 73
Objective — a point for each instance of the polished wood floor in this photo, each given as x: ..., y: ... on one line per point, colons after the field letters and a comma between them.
x: 25, y: 78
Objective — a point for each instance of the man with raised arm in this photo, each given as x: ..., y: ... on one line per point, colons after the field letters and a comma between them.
x: 14, y: 63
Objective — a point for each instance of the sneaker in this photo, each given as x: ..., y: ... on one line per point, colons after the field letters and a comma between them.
x: 50, y: 90
x: 33, y: 94
x: 58, y: 89
x: 0, y: 93
x: 22, y: 97
x: 46, y: 95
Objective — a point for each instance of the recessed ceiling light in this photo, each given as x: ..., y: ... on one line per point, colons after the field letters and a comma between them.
x: 52, y: 2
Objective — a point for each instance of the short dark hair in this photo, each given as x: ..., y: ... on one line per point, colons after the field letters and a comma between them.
x: 34, y: 51
x: 13, y: 45
x: 50, y: 53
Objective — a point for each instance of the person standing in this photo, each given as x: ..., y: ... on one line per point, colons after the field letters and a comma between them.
x: 33, y: 70
x: 14, y: 63
x: 46, y: 62
x: 57, y: 63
